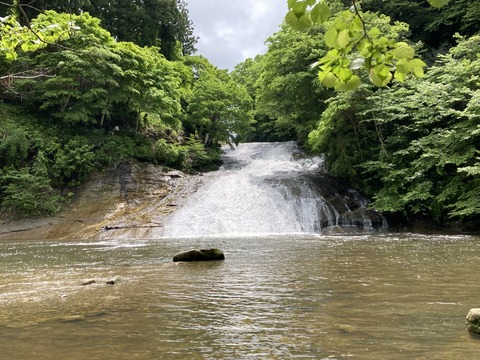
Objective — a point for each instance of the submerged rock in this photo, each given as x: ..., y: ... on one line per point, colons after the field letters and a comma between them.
x: 473, y: 321
x: 199, y: 255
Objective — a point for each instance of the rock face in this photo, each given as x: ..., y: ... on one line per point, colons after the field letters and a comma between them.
x: 130, y: 201
x: 199, y: 255
x: 473, y: 321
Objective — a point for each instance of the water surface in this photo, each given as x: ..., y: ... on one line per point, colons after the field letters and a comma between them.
x: 274, y: 297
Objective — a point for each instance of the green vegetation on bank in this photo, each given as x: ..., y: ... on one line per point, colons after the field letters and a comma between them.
x: 75, y: 102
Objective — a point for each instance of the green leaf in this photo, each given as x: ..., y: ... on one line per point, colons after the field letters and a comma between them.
x: 298, y: 23
x: 291, y: 3
x: 374, y: 32
x: 299, y: 9
x: 320, y: 13
x: 343, y: 38
x: 438, y: 3
x: 328, y: 79
x: 403, y: 66
x: 403, y: 51
x: 379, y: 81
x: 400, y: 76
x: 354, y: 83
x: 331, y: 37
x: 343, y: 74
x: 417, y: 67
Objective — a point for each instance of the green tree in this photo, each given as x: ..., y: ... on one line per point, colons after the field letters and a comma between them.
x: 161, y: 23
x: 288, y: 93
x: 219, y: 110
x: 93, y: 78
x: 432, y: 26
x: 414, y: 153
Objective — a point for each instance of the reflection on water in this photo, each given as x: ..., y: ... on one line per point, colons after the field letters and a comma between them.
x: 274, y: 297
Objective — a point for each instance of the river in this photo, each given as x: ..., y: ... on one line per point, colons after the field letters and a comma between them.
x: 282, y: 293
x: 274, y: 297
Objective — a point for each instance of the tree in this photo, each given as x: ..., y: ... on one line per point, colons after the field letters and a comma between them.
x: 414, y: 153
x: 94, y: 77
x: 434, y: 27
x: 347, y: 35
x: 288, y: 94
x: 161, y: 23
x: 219, y: 110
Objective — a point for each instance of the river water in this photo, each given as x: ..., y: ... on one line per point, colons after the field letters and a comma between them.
x: 290, y: 291
x: 274, y: 297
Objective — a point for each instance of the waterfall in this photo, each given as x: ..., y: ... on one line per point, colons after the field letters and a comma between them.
x: 266, y: 188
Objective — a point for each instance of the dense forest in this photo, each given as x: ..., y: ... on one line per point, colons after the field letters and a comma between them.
x: 88, y: 85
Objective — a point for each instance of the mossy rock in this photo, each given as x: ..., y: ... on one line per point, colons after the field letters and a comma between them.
x: 199, y: 255
x: 473, y: 321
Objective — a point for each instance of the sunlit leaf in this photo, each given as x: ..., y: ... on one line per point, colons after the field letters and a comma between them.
x: 343, y: 38
x: 378, y: 80
x: 417, y: 67
x: 331, y: 37
x: 343, y: 74
x: 354, y: 83
x: 298, y: 23
x: 291, y: 3
x: 320, y: 13
x: 404, y: 51
x: 404, y: 66
x: 400, y: 76
x: 328, y: 79
x: 299, y: 9
x: 374, y: 32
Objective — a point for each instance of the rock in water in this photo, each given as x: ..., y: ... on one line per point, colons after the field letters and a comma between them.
x: 473, y: 321
x: 199, y: 255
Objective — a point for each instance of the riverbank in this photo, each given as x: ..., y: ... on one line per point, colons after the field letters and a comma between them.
x: 130, y: 201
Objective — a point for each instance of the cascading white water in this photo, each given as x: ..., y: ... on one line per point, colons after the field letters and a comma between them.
x: 262, y: 188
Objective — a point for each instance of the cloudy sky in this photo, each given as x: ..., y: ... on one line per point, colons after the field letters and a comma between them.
x: 231, y: 31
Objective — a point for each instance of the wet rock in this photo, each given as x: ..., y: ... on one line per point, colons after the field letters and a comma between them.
x: 113, y: 281
x: 199, y: 255
x: 473, y: 321
x: 175, y: 174
x: 88, y: 282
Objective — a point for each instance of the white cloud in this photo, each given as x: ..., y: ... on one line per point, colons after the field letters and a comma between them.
x: 232, y: 30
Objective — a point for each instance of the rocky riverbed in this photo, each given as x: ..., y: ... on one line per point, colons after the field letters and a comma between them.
x: 132, y: 200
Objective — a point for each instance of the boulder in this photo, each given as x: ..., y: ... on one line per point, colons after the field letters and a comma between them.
x: 473, y: 321
x: 199, y: 255
x: 88, y: 282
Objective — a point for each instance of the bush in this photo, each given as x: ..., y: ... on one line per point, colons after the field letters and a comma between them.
x: 27, y: 193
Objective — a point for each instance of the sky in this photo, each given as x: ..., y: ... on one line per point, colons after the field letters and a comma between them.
x: 231, y: 31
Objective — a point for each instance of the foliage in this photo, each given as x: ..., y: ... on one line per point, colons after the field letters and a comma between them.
x: 432, y: 26
x: 413, y: 152
x: 25, y: 192
x: 39, y: 33
x: 287, y: 90
x: 98, y: 102
x: 162, y: 23
x: 355, y: 43
x: 93, y: 78
x: 219, y: 110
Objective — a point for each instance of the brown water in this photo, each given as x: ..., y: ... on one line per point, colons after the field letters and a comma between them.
x: 274, y: 297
